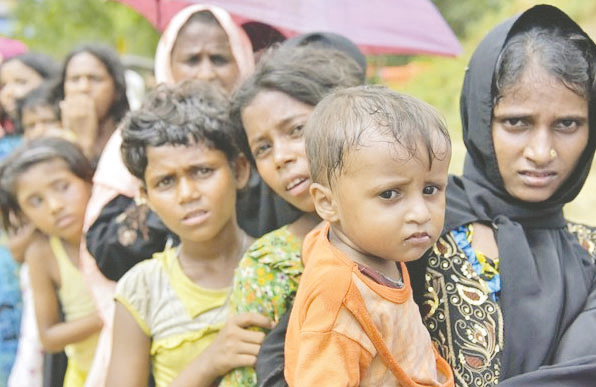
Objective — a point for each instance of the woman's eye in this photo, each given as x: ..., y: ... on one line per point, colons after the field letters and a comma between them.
x: 192, y: 60
x: 389, y: 194
x: 430, y: 190
x: 260, y: 150
x: 35, y: 201
x: 568, y: 125
x: 515, y: 122
x: 297, y: 130
x: 219, y: 60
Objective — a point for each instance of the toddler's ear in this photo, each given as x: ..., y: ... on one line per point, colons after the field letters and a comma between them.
x: 324, y: 203
x: 241, y: 171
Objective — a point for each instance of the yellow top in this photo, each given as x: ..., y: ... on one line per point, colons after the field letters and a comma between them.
x: 76, y: 300
x: 180, y: 317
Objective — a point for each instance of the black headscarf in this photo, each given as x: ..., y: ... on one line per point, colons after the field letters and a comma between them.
x: 546, y: 275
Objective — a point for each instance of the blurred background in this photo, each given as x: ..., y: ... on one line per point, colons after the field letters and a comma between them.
x: 55, y: 26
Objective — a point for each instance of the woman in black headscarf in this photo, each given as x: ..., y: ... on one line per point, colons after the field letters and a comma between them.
x: 508, y: 291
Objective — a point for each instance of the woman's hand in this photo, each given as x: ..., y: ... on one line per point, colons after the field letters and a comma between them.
x: 79, y: 116
x: 235, y: 346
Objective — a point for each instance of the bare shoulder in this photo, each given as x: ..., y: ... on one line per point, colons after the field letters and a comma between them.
x: 38, y: 249
x: 40, y: 258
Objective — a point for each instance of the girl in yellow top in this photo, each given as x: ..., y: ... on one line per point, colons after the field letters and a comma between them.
x: 49, y: 181
x: 170, y: 309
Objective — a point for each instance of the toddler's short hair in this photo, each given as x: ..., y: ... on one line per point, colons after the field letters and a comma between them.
x: 341, y: 121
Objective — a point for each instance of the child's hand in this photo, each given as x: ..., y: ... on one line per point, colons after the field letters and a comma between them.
x: 19, y: 238
x: 236, y: 345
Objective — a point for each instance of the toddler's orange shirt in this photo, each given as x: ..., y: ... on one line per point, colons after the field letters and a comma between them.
x: 347, y: 330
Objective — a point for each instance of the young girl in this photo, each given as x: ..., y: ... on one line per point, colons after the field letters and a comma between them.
x: 170, y: 308
x: 273, y: 106
x: 49, y: 181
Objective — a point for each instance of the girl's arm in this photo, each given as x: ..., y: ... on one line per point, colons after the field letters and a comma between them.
x: 129, y: 363
x: 53, y: 333
x: 235, y: 346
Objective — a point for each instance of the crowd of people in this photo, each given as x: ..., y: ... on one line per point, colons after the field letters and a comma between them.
x: 263, y: 217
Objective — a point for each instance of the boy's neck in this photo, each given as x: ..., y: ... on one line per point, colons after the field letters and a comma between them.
x: 385, y: 267
x: 211, y: 264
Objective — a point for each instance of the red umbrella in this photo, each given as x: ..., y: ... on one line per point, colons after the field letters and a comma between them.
x: 376, y: 26
x: 10, y: 47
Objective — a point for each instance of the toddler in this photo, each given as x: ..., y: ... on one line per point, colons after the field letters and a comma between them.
x: 378, y: 162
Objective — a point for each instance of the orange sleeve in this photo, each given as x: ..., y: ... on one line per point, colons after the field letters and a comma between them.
x: 329, y: 359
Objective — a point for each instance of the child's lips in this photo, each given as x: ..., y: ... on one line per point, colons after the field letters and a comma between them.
x: 418, y: 238
x: 195, y: 217
x: 298, y: 185
x: 64, y: 221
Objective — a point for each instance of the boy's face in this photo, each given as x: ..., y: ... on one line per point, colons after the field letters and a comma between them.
x: 39, y: 121
x: 388, y: 204
x: 193, y: 189
x: 54, y: 199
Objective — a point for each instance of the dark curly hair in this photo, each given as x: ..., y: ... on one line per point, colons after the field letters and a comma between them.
x: 191, y: 112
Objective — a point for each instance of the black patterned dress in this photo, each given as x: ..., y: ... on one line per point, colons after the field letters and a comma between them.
x: 460, y: 305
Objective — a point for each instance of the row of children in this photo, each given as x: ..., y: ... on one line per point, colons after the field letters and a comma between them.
x: 170, y: 308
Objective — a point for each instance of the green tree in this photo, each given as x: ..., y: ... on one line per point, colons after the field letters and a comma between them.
x: 459, y: 14
x: 57, y: 26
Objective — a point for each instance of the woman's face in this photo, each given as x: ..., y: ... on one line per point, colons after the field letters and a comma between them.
x: 85, y: 74
x: 202, y: 51
x: 16, y: 80
x: 539, y: 129
x: 273, y: 122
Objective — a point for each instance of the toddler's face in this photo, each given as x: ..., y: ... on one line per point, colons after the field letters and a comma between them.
x: 390, y: 205
x: 54, y: 199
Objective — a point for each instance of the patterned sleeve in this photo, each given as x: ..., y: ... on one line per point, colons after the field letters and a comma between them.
x: 266, y: 279
x: 586, y: 236
x: 132, y: 292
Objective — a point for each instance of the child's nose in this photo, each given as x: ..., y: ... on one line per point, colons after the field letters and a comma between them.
x: 418, y: 211
x: 187, y: 190
x: 55, y: 204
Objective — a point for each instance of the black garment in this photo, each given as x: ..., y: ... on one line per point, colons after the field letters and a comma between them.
x: 123, y: 235
x: 270, y: 360
x: 126, y: 233
x: 548, y: 298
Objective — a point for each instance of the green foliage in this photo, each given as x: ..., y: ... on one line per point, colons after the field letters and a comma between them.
x: 57, y: 26
x: 460, y: 14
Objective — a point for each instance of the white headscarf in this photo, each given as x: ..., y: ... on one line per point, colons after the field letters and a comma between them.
x: 239, y: 42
